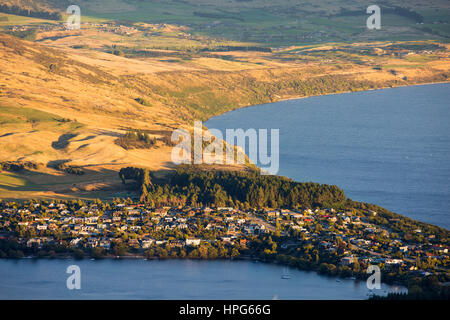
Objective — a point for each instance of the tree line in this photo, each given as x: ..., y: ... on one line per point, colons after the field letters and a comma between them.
x: 16, y: 166
x: 243, y: 189
x: 28, y: 12
x: 136, y: 139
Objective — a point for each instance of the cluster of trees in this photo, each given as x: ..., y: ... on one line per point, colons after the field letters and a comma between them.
x: 64, y: 120
x: 16, y: 166
x: 136, y: 139
x: 415, y: 46
x: 204, y: 251
x: 428, y: 288
x: 10, y: 249
x: 143, y: 101
x: 13, y: 249
x: 69, y: 169
x: 74, y: 170
x: 245, y: 189
x: 29, y: 35
x: 141, y: 176
x: 29, y: 12
x: 117, y: 51
x: 324, y: 85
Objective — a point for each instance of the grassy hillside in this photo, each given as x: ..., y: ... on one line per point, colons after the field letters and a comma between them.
x: 68, y: 99
x: 46, y: 9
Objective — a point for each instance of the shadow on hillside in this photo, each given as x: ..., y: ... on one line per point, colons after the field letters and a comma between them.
x: 94, y: 183
x: 108, y: 133
x: 85, y: 139
x: 100, y: 183
x: 56, y: 163
x: 63, y: 141
x: 7, y: 134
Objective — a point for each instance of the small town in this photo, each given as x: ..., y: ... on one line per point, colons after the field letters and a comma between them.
x: 329, y: 241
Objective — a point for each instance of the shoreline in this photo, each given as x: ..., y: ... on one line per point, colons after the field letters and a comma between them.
x: 367, y: 90
x: 328, y: 94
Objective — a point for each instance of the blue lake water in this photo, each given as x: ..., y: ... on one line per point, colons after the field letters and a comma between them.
x: 390, y: 147
x: 172, y: 279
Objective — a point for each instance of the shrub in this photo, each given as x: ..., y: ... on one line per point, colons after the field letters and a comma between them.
x: 136, y: 140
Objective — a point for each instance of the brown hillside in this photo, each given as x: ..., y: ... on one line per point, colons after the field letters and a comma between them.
x: 59, y: 104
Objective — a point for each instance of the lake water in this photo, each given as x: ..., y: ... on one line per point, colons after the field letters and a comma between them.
x: 172, y: 279
x: 390, y: 147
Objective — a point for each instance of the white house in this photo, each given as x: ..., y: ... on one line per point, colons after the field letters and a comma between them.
x: 193, y: 242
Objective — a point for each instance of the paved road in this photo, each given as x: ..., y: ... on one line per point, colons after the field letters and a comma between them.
x: 260, y: 221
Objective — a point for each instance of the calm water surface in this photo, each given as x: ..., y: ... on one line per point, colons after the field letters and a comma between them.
x: 389, y: 147
x: 171, y: 279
